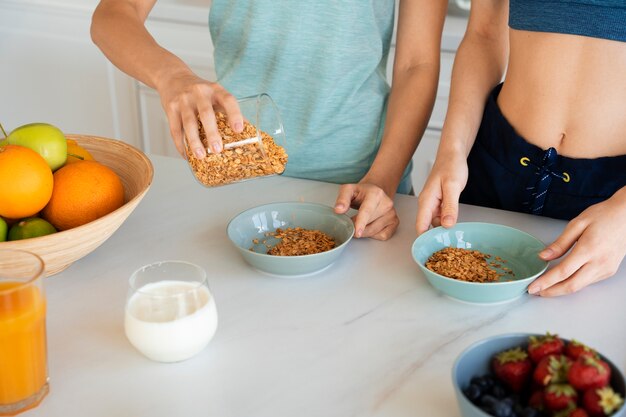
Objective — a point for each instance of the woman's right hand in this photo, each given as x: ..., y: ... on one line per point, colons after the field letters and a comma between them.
x: 184, y: 95
x: 438, y: 203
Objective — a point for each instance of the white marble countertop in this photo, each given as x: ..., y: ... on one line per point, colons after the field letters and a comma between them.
x: 367, y: 337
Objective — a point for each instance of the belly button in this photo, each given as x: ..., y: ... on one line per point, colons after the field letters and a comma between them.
x: 562, y: 138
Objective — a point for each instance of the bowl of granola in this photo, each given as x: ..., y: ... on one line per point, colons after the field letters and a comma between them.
x: 483, y: 263
x: 290, y: 239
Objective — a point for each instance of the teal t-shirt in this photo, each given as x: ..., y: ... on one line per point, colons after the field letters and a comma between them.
x: 324, y: 64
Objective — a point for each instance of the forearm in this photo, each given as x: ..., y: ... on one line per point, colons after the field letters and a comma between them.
x: 479, y: 66
x: 118, y: 30
x: 412, y: 97
x: 410, y: 104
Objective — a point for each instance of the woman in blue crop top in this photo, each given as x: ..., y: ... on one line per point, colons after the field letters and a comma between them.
x: 324, y: 64
x: 550, y: 140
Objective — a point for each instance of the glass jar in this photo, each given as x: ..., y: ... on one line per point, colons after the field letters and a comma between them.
x: 258, y: 151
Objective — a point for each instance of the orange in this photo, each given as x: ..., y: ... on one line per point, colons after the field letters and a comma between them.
x: 76, y: 153
x: 83, y: 191
x: 25, y: 182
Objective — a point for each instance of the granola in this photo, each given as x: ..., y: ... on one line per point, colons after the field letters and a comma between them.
x: 297, y: 241
x: 467, y: 265
x: 238, y: 163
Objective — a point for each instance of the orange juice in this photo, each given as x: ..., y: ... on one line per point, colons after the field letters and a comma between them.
x: 23, y: 369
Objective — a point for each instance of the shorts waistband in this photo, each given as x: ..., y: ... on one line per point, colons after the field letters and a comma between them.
x: 513, y: 151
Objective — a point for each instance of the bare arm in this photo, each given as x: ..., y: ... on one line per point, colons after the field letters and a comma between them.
x: 415, y: 77
x: 479, y: 65
x: 118, y: 30
x: 413, y: 91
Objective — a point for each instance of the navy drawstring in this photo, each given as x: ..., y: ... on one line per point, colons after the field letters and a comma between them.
x: 544, y: 175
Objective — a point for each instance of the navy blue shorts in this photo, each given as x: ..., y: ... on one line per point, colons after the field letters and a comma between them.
x: 507, y: 172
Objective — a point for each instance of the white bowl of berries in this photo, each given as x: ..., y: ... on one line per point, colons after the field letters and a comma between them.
x: 532, y: 375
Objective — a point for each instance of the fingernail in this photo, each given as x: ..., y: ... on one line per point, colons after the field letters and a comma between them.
x: 199, y: 152
x: 238, y: 126
x: 447, y: 220
x: 532, y: 290
x: 339, y: 206
x: 546, y: 253
x: 359, y: 232
x: 216, y: 148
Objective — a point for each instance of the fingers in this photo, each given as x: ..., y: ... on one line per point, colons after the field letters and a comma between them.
x: 436, y: 221
x: 563, y: 271
x: 449, y: 205
x: 374, y: 204
x: 582, y: 267
x: 188, y: 98
x: 437, y: 205
x: 231, y: 107
x: 209, y: 123
x: 376, y: 217
x: 344, y: 198
x: 384, y: 227
x: 585, y: 276
x: 563, y: 243
x: 428, y: 209
x: 190, y: 125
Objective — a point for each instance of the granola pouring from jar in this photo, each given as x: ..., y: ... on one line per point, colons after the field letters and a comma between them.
x: 246, y: 159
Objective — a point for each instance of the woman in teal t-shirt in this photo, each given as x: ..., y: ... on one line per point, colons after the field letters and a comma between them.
x: 324, y: 64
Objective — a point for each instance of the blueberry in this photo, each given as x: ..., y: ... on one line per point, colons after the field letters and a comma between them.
x: 518, y: 408
x: 485, y: 382
x: 530, y: 412
x: 502, y: 409
x: 478, y: 381
x: 498, y: 391
x: 488, y: 400
x: 488, y: 380
x: 475, y: 380
x: 515, y: 398
x: 473, y: 392
x: 508, y: 400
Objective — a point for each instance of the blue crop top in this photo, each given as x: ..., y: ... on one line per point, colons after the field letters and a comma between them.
x: 604, y: 19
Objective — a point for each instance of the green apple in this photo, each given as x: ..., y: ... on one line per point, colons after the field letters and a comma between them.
x: 43, y: 138
x: 3, y: 230
x: 30, y: 227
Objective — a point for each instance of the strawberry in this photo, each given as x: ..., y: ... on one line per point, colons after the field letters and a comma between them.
x: 571, y: 411
x: 578, y: 412
x: 601, y: 402
x: 513, y: 367
x: 559, y: 397
x: 536, y: 400
x: 574, y: 349
x: 589, y: 372
x: 552, y: 369
x: 542, y: 346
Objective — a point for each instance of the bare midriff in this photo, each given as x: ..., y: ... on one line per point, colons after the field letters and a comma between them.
x: 567, y: 92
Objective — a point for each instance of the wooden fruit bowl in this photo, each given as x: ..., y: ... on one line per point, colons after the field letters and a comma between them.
x: 59, y: 250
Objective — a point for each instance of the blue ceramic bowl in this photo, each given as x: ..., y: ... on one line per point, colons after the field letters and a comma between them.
x: 254, y: 223
x: 518, y: 248
x: 476, y: 360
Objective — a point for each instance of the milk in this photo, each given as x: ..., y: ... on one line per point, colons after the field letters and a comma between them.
x: 170, y: 321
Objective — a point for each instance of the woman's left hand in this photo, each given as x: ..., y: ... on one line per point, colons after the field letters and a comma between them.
x: 377, y: 217
x: 598, y: 238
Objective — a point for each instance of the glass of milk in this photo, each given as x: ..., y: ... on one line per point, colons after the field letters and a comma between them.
x: 170, y: 312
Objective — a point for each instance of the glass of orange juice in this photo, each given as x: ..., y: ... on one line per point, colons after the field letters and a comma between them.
x: 23, y: 364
